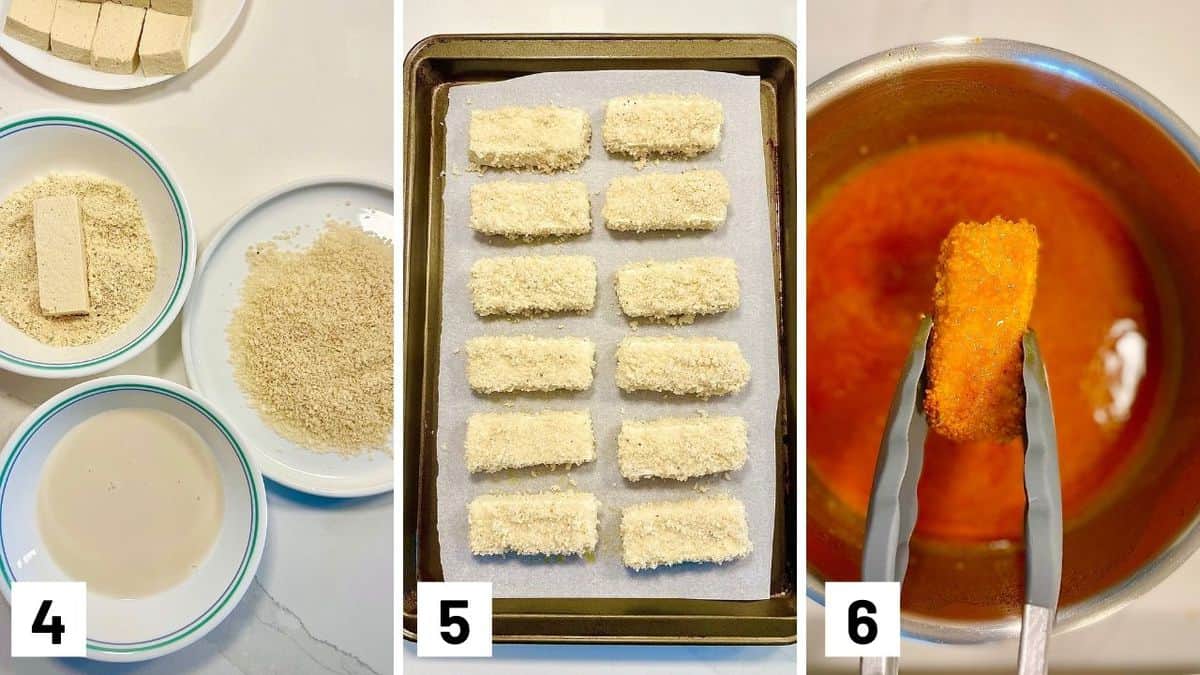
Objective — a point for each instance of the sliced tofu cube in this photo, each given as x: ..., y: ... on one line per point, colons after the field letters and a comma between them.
x: 181, y: 7
x: 30, y: 21
x: 118, y: 31
x: 165, y: 41
x: 73, y: 30
x: 61, y: 256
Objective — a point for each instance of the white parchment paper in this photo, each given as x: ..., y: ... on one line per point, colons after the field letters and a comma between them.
x: 746, y: 237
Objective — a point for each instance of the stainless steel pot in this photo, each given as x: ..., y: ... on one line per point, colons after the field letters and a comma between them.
x: 1148, y: 160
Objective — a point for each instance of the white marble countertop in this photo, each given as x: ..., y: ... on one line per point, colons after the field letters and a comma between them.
x: 288, y: 95
x: 1153, y: 43
x: 422, y: 19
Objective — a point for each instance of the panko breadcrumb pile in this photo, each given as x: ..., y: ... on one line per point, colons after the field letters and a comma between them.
x: 311, y: 342
x: 121, y: 265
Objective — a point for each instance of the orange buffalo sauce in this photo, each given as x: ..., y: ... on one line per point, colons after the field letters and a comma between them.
x: 873, y: 244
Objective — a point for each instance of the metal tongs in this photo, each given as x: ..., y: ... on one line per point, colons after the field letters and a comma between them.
x: 893, y: 510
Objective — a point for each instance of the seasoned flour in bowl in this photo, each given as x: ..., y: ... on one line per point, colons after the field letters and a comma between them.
x: 120, y: 259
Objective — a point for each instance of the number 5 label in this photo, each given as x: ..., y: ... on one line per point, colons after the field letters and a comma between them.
x: 49, y: 618
x: 862, y: 619
x: 454, y: 618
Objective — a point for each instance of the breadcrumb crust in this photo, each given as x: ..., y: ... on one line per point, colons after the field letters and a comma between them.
x: 679, y: 288
x: 645, y: 125
x: 704, y: 529
x: 543, y: 138
x: 692, y: 200
x: 531, y: 210
x: 499, y: 441
x: 527, y: 284
x: 498, y: 364
x: 545, y: 523
x: 681, y: 447
x: 699, y: 366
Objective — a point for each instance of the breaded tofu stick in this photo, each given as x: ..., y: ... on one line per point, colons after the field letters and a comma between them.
x: 498, y: 441
x: 678, y: 288
x: 986, y: 279
x: 699, y: 366
x: 546, y: 523
x: 692, y: 200
x: 528, y: 284
x: 526, y: 363
x: 707, y: 529
x: 531, y: 210
x: 662, y: 124
x: 681, y: 447
x: 545, y: 138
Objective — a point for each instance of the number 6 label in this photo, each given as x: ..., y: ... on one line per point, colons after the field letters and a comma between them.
x: 454, y: 618
x: 862, y: 619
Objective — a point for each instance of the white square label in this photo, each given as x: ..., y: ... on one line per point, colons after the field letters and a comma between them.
x: 49, y: 618
x: 454, y: 618
x: 862, y: 618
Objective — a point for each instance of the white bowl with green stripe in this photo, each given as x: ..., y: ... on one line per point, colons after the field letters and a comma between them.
x: 148, y: 627
x: 37, y: 144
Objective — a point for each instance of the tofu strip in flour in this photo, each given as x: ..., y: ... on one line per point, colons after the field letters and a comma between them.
x: 61, y: 256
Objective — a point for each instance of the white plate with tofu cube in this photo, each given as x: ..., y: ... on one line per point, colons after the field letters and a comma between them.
x: 290, y: 217
x: 114, y: 45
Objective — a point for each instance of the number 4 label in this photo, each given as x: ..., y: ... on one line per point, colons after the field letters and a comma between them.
x: 49, y: 618
x: 862, y: 619
x: 454, y: 618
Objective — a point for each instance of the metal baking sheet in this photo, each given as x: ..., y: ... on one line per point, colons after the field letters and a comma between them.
x: 433, y: 68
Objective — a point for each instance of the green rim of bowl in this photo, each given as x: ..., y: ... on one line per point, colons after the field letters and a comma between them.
x: 251, y: 550
x: 180, y: 216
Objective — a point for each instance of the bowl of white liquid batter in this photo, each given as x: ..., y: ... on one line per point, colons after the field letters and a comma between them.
x: 141, y: 489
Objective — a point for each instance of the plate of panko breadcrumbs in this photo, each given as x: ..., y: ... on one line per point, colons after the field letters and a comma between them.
x: 114, y: 44
x: 289, y: 328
